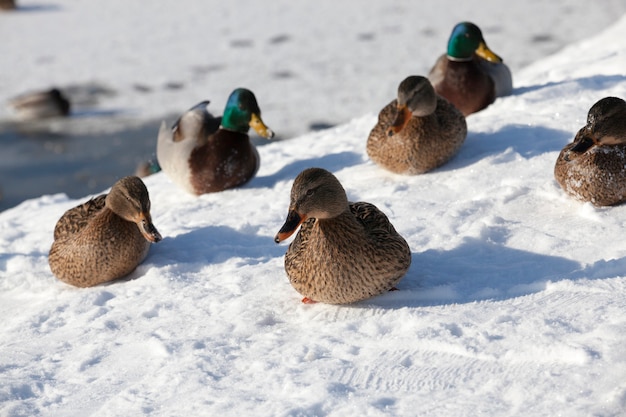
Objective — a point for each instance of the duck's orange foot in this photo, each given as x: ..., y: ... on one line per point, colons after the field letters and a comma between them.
x: 393, y: 289
x: 307, y: 300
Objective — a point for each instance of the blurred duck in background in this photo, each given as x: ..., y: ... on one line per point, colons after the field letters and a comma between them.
x: 7, y: 4
x: 41, y: 105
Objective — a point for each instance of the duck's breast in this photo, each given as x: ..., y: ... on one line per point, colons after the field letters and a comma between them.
x: 227, y: 160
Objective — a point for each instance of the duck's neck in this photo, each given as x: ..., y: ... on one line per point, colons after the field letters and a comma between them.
x: 455, y: 59
x: 345, y: 224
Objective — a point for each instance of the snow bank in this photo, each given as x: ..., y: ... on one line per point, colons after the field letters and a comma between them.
x: 514, y: 303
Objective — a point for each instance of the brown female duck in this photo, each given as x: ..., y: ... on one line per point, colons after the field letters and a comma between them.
x: 591, y: 168
x: 470, y: 75
x: 344, y: 252
x: 206, y: 154
x: 418, y: 131
x: 104, y: 238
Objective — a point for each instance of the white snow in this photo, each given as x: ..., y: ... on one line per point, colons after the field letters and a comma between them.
x: 514, y: 304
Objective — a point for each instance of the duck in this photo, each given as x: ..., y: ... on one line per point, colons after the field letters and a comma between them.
x: 206, y: 154
x: 591, y: 168
x: 41, y: 105
x: 418, y: 131
x: 470, y: 75
x: 344, y: 252
x: 105, y: 238
x: 146, y: 168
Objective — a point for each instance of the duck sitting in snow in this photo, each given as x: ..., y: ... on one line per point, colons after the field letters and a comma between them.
x: 206, y: 154
x: 104, y: 238
x: 470, y: 75
x: 591, y: 168
x: 344, y: 252
x: 147, y: 168
x: 40, y: 105
x: 418, y: 131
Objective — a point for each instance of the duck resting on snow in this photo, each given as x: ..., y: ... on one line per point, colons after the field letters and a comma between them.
x: 470, y: 75
x: 344, y: 252
x: 591, y: 168
x: 416, y: 132
x: 206, y: 154
x: 105, y: 238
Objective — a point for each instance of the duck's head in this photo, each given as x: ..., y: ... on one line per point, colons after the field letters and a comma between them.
x: 416, y: 97
x: 606, y: 125
x: 242, y: 113
x: 466, y: 40
x: 316, y: 193
x: 129, y: 199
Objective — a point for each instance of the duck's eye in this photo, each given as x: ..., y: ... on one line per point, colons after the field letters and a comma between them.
x: 310, y: 192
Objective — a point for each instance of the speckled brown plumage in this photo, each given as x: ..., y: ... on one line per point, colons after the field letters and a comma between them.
x: 344, y: 252
x: 593, y: 167
x: 424, y: 143
x: 104, y: 238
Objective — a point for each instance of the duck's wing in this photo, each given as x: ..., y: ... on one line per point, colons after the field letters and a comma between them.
x: 30, y: 99
x: 196, y: 122
x: 75, y: 219
x: 375, y: 221
x: 392, y: 252
x: 501, y: 76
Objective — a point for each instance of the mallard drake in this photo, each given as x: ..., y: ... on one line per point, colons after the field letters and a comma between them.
x: 470, y: 75
x: 206, y: 154
x: 418, y: 131
x: 105, y: 238
x: 591, y: 168
x: 40, y: 105
x: 344, y: 252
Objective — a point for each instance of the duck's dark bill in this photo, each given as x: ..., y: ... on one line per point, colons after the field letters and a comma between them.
x: 291, y: 225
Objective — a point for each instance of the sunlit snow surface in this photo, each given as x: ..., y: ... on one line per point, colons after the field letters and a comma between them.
x: 514, y: 304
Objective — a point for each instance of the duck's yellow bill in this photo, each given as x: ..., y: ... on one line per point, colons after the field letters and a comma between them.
x: 485, y: 53
x: 259, y: 127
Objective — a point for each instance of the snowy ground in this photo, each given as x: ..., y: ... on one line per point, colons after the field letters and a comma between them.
x: 514, y: 303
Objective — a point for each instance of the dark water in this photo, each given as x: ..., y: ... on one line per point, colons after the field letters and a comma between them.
x: 74, y: 156
x: 55, y: 157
